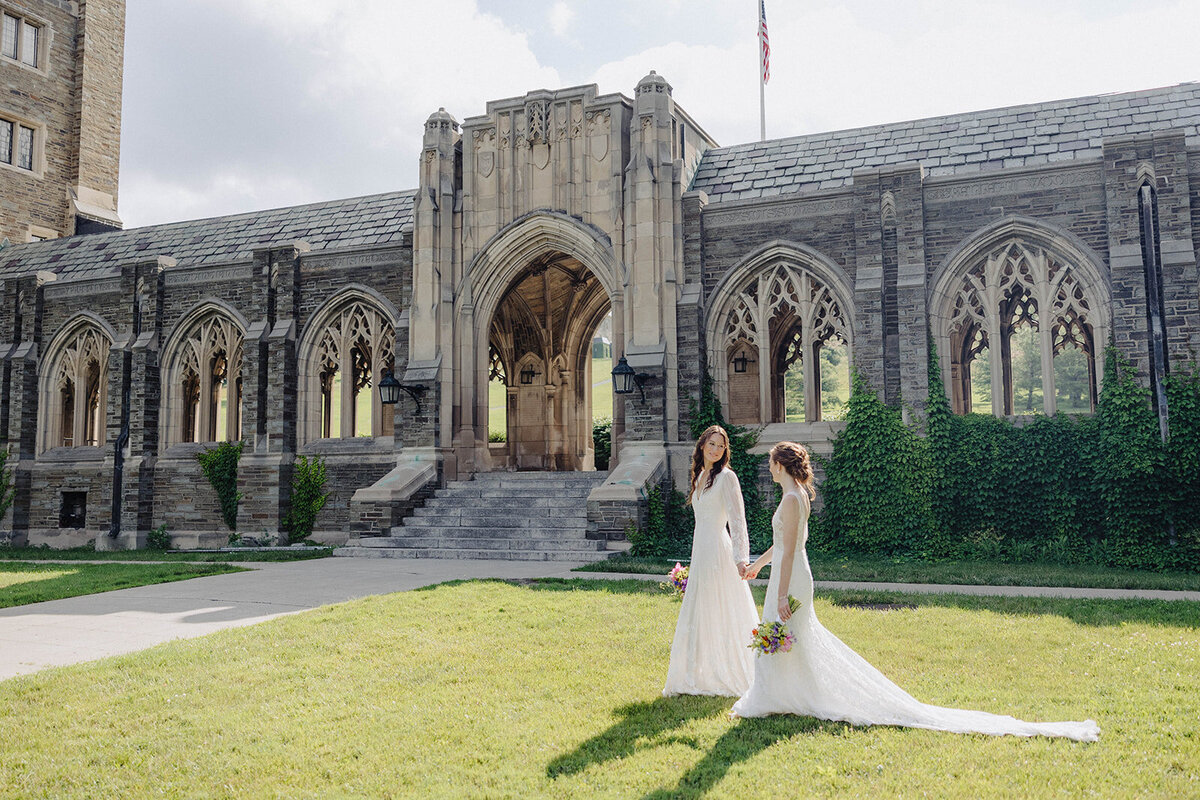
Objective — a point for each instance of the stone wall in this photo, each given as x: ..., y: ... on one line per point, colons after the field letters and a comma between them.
x: 72, y: 100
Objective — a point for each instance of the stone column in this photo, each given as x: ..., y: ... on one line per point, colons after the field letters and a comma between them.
x: 1159, y: 159
x: 653, y: 255
x: 689, y: 315
x: 138, y: 342
x: 869, y: 328
x: 435, y: 250
x: 23, y: 299
x: 269, y: 378
x: 902, y: 185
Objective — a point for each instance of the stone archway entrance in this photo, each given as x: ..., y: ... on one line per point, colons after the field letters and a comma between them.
x: 540, y: 349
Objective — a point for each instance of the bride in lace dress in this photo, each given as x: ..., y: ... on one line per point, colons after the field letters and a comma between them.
x: 709, y: 653
x: 822, y: 677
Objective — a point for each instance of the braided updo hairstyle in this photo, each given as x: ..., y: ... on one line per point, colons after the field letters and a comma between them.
x: 794, y: 459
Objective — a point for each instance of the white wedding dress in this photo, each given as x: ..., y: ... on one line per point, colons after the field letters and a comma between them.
x: 822, y: 677
x: 709, y: 654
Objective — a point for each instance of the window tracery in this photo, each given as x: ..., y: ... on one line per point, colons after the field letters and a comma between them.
x: 355, y: 347
x: 1020, y: 286
x: 79, y: 392
x: 209, y: 382
x: 778, y: 322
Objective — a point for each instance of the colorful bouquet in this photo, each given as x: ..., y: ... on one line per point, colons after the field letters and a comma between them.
x: 774, y: 637
x: 676, y: 582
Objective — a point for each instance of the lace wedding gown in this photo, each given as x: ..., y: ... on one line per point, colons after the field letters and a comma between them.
x: 709, y: 653
x: 822, y: 677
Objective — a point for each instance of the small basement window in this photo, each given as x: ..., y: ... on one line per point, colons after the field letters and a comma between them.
x: 74, y: 510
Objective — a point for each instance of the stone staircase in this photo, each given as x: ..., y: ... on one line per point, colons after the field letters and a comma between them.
x: 512, y: 516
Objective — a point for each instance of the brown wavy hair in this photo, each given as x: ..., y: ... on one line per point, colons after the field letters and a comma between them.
x: 698, y: 459
x: 794, y: 458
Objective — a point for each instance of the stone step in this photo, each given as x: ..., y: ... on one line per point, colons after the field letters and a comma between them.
x: 474, y: 517
x: 530, y: 532
x: 480, y: 543
x: 352, y: 551
x: 501, y: 506
x: 498, y: 493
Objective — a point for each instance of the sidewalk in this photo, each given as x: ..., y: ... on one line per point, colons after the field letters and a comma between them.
x: 78, y: 629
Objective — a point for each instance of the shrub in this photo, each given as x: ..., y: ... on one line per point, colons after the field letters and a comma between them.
x: 308, y: 498
x: 877, y: 482
x: 602, y: 442
x: 158, y: 539
x: 669, y: 526
x: 220, y: 466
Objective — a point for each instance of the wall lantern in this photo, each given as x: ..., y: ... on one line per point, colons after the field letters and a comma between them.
x: 740, y: 361
x: 389, y: 390
x: 625, y: 379
x: 527, y: 375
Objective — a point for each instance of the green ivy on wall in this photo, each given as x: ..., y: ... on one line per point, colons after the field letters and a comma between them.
x: 1101, y: 489
x: 220, y: 466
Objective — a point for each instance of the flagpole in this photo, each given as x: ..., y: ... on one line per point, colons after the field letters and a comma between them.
x: 762, y: 107
x: 763, y: 55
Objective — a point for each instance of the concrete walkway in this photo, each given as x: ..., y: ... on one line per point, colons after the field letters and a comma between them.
x: 78, y: 629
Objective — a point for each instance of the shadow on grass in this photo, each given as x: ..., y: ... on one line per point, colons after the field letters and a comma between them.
x: 1093, y: 612
x: 650, y: 724
x: 743, y: 741
x: 641, y: 725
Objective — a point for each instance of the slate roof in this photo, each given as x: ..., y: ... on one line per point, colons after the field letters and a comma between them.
x: 1018, y: 136
x: 374, y: 220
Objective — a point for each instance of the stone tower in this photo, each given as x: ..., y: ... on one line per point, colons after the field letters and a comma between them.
x: 60, y: 120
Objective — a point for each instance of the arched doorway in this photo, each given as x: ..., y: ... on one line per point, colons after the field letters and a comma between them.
x: 540, y: 349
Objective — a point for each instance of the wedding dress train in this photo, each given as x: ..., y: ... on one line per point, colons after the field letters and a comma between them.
x: 708, y: 653
x: 822, y: 677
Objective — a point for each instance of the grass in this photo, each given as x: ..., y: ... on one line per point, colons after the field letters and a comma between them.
x: 551, y: 689
x: 985, y: 573
x: 24, y: 583
x: 8, y: 553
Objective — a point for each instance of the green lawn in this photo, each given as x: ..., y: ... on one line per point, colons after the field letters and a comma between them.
x: 24, y: 583
x: 551, y: 689
x: 984, y: 573
x: 89, y: 554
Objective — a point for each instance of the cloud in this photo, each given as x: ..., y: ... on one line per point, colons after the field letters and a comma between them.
x: 305, y: 96
x: 561, y: 15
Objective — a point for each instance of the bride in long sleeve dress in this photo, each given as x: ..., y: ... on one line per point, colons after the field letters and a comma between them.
x: 822, y: 677
x: 709, y: 653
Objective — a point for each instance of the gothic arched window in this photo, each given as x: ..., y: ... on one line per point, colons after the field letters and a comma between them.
x: 784, y: 337
x: 354, y: 346
x: 205, y: 383
x: 1021, y: 334
x: 77, y: 395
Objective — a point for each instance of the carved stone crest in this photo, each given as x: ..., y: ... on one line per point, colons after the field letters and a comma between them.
x: 598, y: 129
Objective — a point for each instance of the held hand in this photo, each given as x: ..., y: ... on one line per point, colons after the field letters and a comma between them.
x: 785, y: 610
x: 742, y: 567
x: 751, y: 572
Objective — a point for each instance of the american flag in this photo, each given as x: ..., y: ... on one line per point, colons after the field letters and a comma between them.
x: 766, y: 42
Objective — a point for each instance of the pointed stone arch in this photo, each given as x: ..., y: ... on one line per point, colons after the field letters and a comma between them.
x: 1017, y: 272
x: 201, y: 371
x: 537, y: 241
x: 783, y: 295
x: 352, y: 331
x: 73, y: 384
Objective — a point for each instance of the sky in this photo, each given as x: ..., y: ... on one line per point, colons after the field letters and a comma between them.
x: 233, y: 106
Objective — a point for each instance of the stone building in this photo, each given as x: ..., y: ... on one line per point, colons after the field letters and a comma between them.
x: 60, y: 117
x: 1017, y: 240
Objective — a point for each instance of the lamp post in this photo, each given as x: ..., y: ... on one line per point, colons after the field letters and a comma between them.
x: 390, y: 388
x: 625, y: 379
